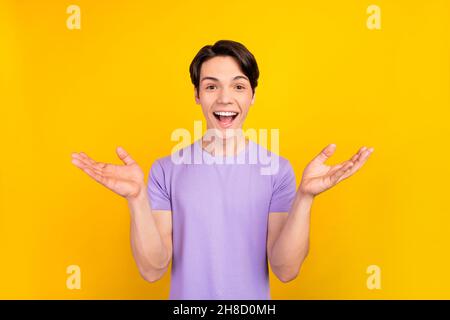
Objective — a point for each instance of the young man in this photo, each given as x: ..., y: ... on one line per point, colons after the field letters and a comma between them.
x: 218, y: 221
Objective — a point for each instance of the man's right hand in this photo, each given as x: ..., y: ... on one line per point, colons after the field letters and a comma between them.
x: 126, y: 180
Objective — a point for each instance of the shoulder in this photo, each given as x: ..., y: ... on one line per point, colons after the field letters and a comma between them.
x: 279, y: 165
x: 168, y: 163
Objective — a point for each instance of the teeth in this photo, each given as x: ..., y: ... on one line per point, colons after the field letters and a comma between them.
x: 223, y: 113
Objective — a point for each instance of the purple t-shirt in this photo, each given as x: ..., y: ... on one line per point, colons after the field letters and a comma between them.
x: 220, y: 219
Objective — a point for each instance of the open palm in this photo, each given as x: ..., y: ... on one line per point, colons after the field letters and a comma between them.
x: 318, y: 177
x: 126, y: 180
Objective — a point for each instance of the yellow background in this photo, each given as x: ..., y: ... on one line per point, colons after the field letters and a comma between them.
x: 325, y: 78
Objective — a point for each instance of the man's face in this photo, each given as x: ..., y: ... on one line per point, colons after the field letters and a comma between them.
x: 224, y: 93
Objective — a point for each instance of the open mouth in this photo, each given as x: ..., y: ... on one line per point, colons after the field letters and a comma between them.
x: 225, y: 118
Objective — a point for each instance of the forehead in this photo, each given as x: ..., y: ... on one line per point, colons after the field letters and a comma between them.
x: 221, y: 67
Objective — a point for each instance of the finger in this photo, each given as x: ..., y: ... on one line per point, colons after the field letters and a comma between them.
x: 325, y: 153
x: 97, y: 177
x: 124, y: 156
x: 105, y: 169
x: 82, y: 163
x: 86, y: 167
x: 81, y: 160
x: 363, y: 148
x: 358, y: 154
x: 358, y: 164
x: 97, y: 165
x: 353, y: 159
x: 362, y: 159
x: 79, y: 163
x: 341, y: 175
x: 336, y: 177
x: 83, y: 157
x: 78, y: 156
x: 86, y: 157
x: 338, y: 166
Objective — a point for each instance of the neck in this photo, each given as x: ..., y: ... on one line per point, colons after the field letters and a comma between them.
x: 217, y: 146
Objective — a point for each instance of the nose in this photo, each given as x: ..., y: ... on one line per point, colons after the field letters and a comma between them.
x: 224, y: 97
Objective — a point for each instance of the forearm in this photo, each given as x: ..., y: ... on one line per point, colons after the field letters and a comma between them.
x: 148, y: 248
x: 292, y: 245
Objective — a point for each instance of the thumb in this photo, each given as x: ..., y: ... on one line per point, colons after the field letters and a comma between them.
x: 124, y: 156
x: 325, y: 153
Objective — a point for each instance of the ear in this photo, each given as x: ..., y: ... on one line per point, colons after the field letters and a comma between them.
x: 253, y: 98
x: 197, y: 99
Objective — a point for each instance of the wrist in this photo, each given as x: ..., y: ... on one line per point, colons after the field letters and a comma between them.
x: 139, y: 196
x: 305, y: 195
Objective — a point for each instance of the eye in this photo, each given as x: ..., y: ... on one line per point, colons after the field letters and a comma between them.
x: 240, y: 87
x: 210, y: 87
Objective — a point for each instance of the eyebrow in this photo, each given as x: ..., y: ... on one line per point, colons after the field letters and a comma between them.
x: 215, y: 79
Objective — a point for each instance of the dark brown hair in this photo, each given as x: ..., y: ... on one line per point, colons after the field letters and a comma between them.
x: 238, y: 51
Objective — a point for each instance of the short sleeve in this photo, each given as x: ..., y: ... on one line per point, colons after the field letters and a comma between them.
x: 156, y: 188
x: 284, y: 189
